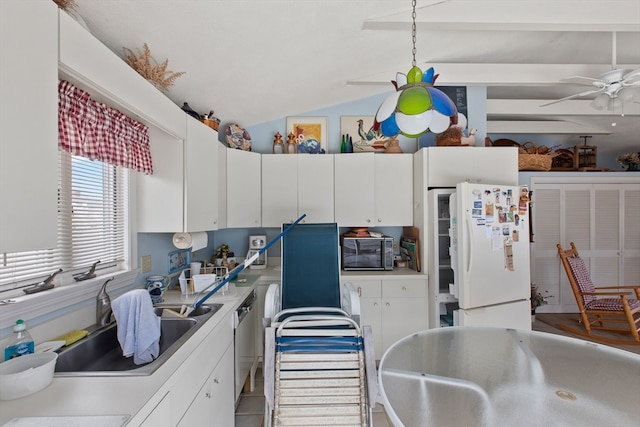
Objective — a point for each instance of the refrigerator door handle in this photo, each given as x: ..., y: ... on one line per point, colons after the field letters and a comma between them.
x: 469, y: 243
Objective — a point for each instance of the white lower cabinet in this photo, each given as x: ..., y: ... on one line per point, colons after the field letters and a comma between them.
x: 394, y: 308
x: 161, y: 414
x: 212, y: 404
x: 200, y: 391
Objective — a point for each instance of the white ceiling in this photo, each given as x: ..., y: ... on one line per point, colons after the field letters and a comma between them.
x: 253, y: 61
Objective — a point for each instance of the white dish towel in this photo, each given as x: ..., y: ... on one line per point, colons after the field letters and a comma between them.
x: 138, y: 326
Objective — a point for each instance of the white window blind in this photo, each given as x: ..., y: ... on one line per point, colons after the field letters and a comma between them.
x: 92, y: 225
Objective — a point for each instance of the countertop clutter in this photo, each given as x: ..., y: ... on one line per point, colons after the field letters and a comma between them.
x: 142, y: 400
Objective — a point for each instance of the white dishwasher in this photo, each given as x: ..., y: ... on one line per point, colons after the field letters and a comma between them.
x: 244, y: 341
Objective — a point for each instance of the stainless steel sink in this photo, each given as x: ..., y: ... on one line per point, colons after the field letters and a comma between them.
x: 99, y: 354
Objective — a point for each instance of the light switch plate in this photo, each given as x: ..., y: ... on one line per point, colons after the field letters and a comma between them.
x: 146, y: 263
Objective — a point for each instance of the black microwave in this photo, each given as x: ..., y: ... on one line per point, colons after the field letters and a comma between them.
x: 367, y: 253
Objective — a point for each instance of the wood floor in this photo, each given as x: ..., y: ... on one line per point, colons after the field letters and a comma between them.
x: 547, y: 322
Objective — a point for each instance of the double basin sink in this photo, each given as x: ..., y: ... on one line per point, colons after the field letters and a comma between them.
x: 100, y: 354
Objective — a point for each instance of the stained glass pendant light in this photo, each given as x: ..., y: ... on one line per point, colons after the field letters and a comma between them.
x: 416, y: 107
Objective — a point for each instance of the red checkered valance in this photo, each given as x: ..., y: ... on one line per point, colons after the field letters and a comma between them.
x: 91, y: 129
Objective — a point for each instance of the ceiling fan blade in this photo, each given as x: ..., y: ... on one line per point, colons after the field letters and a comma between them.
x: 577, y: 95
x: 632, y: 77
x: 581, y: 80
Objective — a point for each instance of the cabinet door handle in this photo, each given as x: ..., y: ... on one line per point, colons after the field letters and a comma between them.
x: 359, y: 291
x: 216, y: 380
x: 207, y: 395
x: 388, y: 305
x: 404, y: 288
x: 368, y: 220
x: 375, y: 304
x: 379, y: 219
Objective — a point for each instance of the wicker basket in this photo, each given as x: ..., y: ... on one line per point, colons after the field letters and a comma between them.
x: 534, y: 162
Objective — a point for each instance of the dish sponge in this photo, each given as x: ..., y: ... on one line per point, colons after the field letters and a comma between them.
x: 73, y: 336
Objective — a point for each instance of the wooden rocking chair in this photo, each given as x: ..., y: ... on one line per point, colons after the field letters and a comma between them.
x: 614, y: 308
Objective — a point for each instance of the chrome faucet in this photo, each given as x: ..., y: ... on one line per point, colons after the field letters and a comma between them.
x: 103, y: 307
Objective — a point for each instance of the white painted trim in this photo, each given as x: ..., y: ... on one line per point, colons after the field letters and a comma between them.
x: 30, y: 307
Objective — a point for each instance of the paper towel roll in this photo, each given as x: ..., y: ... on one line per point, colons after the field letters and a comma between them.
x: 195, y: 241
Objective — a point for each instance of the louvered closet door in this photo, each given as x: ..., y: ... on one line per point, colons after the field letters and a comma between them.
x: 631, y: 235
x: 546, y: 225
x: 605, y: 255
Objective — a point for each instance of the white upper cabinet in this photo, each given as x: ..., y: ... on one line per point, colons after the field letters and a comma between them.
x: 182, y: 193
x: 296, y: 185
x: 29, y: 125
x: 201, y: 177
x: 447, y: 166
x: 160, y: 196
x: 373, y: 190
x: 279, y: 189
x: 243, y: 188
x: 315, y: 188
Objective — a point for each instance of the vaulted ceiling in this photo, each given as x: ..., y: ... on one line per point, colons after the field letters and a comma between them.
x: 253, y: 61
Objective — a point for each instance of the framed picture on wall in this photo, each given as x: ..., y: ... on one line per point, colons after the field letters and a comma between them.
x: 310, y: 134
x: 179, y: 260
x: 363, y: 136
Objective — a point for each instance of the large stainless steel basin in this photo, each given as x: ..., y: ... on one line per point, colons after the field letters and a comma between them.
x: 100, y: 354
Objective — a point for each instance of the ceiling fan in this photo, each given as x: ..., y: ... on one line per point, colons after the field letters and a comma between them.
x: 614, y: 87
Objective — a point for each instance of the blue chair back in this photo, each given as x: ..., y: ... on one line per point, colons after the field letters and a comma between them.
x: 310, y: 266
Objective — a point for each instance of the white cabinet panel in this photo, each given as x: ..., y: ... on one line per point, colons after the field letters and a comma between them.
x: 160, y: 196
x: 394, y: 308
x: 296, y: 185
x: 279, y: 189
x: 315, y: 188
x: 181, y: 195
x: 447, y: 166
x: 393, y: 190
x: 354, y: 189
x: 213, y: 405
x: 374, y: 190
x: 243, y: 189
x: 29, y: 125
x: 201, y: 177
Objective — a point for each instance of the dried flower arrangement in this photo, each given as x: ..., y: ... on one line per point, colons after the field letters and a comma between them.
x: 537, y: 299
x: 629, y: 159
x: 65, y: 4
x: 156, y: 73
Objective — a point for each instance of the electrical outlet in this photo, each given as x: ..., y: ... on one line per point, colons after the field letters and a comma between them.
x: 146, y: 263
x: 395, y: 246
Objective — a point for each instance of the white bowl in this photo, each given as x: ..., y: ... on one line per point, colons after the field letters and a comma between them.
x: 26, y: 374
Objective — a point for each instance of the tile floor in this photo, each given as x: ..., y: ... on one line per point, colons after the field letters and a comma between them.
x: 250, y: 409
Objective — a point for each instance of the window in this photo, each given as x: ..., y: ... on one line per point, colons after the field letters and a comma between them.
x: 92, y: 225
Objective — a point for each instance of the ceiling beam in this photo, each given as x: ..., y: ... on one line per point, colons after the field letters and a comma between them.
x: 531, y: 107
x: 523, y: 15
x: 478, y: 74
x: 543, y: 127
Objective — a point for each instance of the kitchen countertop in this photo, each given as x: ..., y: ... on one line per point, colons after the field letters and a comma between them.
x: 88, y: 396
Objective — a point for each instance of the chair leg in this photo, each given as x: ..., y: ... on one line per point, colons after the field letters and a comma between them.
x: 632, y: 323
x: 586, y: 322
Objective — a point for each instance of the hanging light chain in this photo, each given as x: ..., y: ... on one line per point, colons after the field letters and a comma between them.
x: 413, y: 32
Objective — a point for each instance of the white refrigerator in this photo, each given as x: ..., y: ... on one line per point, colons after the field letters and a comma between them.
x: 489, y: 249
